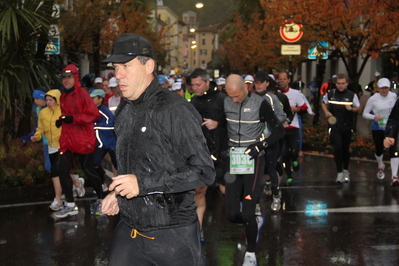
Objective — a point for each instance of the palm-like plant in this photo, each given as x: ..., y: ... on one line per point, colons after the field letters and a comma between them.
x: 23, y: 23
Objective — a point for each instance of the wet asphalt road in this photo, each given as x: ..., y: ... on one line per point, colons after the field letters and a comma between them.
x: 320, y: 223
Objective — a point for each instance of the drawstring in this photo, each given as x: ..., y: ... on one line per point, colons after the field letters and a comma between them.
x: 134, y: 234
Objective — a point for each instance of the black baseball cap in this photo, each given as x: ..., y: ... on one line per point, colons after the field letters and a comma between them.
x: 128, y: 46
x: 261, y: 76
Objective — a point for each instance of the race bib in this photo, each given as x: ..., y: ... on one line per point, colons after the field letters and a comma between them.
x: 241, y: 163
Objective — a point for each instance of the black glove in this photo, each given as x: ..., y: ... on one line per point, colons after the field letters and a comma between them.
x: 68, y: 119
x: 58, y: 123
x: 253, y: 150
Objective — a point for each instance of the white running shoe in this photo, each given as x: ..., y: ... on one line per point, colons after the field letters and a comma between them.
x: 56, y: 205
x: 346, y: 176
x: 340, y: 178
x: 80, y: 190
x: 66, y: 211
x: 276, y: 204
x: 249, y: 261
x: 380, y: 173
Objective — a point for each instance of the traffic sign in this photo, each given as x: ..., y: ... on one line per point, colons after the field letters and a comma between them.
x: 291, y: 49
x: 53, y: 45
x: 318, y: 51
x: 291, y: 32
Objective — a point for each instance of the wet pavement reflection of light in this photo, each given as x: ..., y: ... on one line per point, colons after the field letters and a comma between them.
x: 320, y: 223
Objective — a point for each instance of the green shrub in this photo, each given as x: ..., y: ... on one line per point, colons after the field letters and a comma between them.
x: 22, y: 165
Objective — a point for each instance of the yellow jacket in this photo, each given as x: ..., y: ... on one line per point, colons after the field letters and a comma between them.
x: 46, y: 122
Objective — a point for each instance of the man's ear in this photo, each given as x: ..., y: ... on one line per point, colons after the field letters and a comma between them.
x: 150, y: 66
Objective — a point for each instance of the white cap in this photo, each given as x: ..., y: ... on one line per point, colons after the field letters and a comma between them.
x: 176, y: 86
x: 377, y: 74
x: 98, y: 80
x: 384, y: 82
x: 249, y: 79
x: 221, y: 81
x: 113, y: 82
x: 272, y: 76
x: 334, y: 76
x: 179, y: 80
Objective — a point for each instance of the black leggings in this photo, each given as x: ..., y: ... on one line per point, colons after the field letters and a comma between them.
x: 54, y: 163
x: 341, y: 141
x: 271, y: 153
x: 245, y: 189
x: 86, y: 162
x: 291, y: 149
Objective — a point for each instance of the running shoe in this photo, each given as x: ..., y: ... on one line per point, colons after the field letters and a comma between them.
x: 80, y: 190
x: 249, y: 261
x: 380, y: 173
x: 257, y: 209
x: 395, y: 181
x: 276, y: 204
x: 346, y: 176
x: 295, y: 166
x: 56, y: 205
x: 340, y: 178
x: 289, y: 181
x: 260, y: 221
x: 268, y: 188
x: 66, y: 211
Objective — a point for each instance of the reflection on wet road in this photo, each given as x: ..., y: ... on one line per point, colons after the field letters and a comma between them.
x: 320, y: 223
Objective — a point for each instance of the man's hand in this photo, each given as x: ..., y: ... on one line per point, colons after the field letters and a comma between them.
x: 328, y: 114
x: 125, y: 185
x: 109, y: 205
x: 349, y: 107
x: 388, y: 142
x: 210, y: 124
x: 253, y: 150
x: 377, y: 118
x: 58, y: 123
x: 33, y: 138
x: 68, y: 119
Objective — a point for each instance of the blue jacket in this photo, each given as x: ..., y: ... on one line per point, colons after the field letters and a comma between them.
x: 104, y: 129
x: 27, y: 137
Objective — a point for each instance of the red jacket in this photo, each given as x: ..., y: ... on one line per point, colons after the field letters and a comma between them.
x: 78, y: 136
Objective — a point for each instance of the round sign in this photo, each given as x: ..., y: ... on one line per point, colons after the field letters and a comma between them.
x: 291, y: 32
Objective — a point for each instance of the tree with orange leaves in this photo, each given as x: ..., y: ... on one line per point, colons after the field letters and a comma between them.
x: 90, y: 27
x: 356, y: 30
x: 252, y: 42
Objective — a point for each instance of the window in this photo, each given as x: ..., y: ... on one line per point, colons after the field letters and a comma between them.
x: 203, y: 52
x: 203, y: 41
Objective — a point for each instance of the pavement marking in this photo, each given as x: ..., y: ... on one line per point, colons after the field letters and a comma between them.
x: 40, y: 203
x: 364, y: 209
x: 386, y: 247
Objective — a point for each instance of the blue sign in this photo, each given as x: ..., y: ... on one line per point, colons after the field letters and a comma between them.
x: 316, y: 53
x: 53, y: 46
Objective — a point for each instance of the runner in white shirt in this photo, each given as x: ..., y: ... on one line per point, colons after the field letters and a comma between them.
x: 378, y: 108
x: 291, y: 138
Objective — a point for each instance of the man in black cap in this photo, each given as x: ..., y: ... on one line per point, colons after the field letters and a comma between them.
x: 162, y: 158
